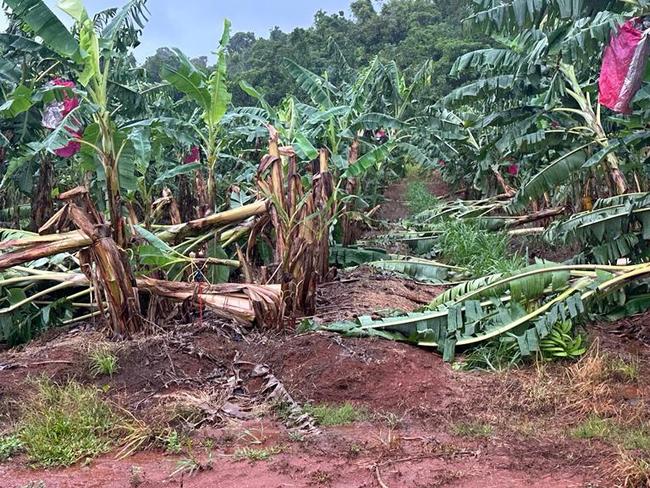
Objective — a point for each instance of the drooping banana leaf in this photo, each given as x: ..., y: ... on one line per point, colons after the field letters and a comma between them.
x: 527, y: 306
x: 417, y: 270
x: 347, y: 257
x: 616, y: 227
x: 46, y: 25
x: 555, y: 174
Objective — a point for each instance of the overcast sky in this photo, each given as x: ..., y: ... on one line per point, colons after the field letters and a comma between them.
x: 195, y: 25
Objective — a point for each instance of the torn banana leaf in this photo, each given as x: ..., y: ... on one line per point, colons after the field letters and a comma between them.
x: 420, y: 270
x: 348, y: 257
x: 526, y: 306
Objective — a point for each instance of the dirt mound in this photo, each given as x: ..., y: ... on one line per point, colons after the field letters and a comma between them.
x: 379, y: 374
x: 447, y: 428
x: 365, y: 292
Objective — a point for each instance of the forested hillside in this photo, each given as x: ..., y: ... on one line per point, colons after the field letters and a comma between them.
x: 407, y: 31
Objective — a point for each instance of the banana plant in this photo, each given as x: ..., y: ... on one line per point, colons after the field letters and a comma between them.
x: 211, y: 94
x: 527, y: 305
x: 542, y: 59
x: 90, y: 54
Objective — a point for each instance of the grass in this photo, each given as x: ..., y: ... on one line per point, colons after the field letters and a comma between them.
x: 472, y: 429
x: 632, y: 470
x: 173, y: 443
x: 419, y: 198
x: 296, y: 436
x: 282, y: 410
x: 592, y: 428
x: 466, y: 244
x: 498, y: 355
x: 625, y: 436
x: 9, y: 446
x: 625, y: 370
x: 62, y: 425
x: 328, y: 415
x: 256, y: 453
x: 103, y: 362
x: 190, y: 466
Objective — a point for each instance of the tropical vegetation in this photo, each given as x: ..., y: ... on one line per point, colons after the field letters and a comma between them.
x: 144, y: 194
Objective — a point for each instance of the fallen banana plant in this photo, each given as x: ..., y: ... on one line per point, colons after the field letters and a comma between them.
x: 492, y: 214
x: 348, y: 257
x: 176, y: 233
x: 525, y: 305
x: 617, y: 227
x: 105, y: 265
x: 244, y: 303
x: 417, y: 269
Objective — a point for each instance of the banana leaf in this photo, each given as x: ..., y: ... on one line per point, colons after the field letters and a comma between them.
x: 418, y: 270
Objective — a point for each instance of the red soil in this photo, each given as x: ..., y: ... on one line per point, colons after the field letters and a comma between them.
x: 416, y: 446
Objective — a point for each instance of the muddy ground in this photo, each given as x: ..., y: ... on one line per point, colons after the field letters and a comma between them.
x: 422, y: 423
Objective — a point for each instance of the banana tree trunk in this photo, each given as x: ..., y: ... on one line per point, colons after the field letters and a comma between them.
x: 507, y: 189
x: 616, y: 175
x: 106, y: 266
x: 42, y: 205
x: 350, y: 189
x: 212, y: 189
x: 201, y: 194
x: 114, y: 199
x: 611, y: 164
x: 326, y: 212
x: 176, y: 233
x: 186, y: 199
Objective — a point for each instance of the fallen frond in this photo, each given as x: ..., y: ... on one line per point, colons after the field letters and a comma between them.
x: 524, y: 306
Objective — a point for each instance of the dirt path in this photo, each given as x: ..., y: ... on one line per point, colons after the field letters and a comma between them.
x: 395, y: 208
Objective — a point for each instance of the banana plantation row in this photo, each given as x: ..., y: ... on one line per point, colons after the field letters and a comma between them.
x: 138, y: 201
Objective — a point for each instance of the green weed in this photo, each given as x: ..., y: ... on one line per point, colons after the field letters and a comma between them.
x: 296, y: 436
x: 414, y: 170
x: 631, y: 437
x: 627, y: 371
x: 472, y: 429
x: 497, y: 355
x: 592, y: 428
x: 328, y: 415
x: 191, y: 465
x: 62, y: 425
x: 9, y: 445
x: 282, y: 410
x: 103, y: 362
x: 419, y: 198
x: 173, y: 443
x: 466, y: 244
x: 256, y: 454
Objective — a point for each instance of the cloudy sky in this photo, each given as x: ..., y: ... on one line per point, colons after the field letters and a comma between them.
x: 195, y: 25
